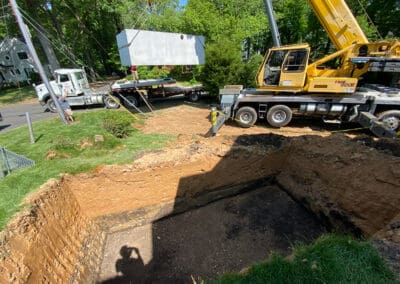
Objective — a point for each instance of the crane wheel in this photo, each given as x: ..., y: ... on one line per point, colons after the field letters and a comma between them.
x: 390, y: 119
x: 279, y: 116
x: 246, y: 116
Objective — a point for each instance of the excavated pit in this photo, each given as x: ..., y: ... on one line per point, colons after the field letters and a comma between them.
x: 226, y: 235
x: 203, y: 209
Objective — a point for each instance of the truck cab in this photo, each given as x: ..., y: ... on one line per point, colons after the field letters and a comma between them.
x: 72, y: 81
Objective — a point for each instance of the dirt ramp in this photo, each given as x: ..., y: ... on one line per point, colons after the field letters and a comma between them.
x: 45, y: 243
x: 353, y: 185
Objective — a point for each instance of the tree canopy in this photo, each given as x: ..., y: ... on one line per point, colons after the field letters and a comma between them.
x: 82, y: 32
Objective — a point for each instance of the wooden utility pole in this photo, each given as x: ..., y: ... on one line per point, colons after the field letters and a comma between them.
x: 38, y: 64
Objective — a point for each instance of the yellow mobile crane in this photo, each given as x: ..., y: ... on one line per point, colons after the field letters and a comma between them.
x: 289, y: 84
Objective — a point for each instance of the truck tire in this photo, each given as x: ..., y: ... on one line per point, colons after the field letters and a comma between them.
x: 133, y: 100
x: 246, y: 116
x: 391, y: 119
x: 51, y: 106
x: 279, y: 116
x: 110, y: 103
x: 194, y: 97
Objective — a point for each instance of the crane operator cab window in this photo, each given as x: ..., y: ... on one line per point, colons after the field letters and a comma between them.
x: 272, y: 70
x: 296, y: 61
x: 294, y: 69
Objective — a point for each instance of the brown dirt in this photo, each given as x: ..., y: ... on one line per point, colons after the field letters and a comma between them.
x: 348, y: 184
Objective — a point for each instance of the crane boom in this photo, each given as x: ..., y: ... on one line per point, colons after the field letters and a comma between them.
x: 339, y: 22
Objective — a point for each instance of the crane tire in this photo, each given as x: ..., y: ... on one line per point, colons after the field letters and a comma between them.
x: 390, y: 119
x: 279, y: 116
x: 246, y: 116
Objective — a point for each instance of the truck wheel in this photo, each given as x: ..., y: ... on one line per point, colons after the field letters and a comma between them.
x: 194, y: 96
x: 133, y: 100
x: 390, y: 119
x: 246, y: 116
x: 111, y: 103
x: 279, y: 116
x: 51, y: 105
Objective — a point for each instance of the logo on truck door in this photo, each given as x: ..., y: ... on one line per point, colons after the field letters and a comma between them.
x: 345, y: 84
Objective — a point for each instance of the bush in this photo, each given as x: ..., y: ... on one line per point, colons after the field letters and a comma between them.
x: 224, y: 66
x: 117, y: 125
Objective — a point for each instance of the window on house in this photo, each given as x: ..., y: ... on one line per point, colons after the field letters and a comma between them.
x: 22, y: 55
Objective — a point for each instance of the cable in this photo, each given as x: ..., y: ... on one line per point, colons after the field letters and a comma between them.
x: 370, y: 20
x: 41, y: 31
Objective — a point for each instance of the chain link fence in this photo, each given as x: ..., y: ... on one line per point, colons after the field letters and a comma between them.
x: 10, y: 161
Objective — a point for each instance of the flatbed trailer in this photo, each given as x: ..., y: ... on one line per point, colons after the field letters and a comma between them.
x: 373, y: 106
x: 136, y: 91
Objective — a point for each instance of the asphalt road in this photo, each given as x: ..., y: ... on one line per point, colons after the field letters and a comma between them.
x: 14, y: 115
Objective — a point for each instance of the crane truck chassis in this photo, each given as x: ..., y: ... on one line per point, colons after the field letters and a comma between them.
x: 374, y: 107
x: 333, y: 87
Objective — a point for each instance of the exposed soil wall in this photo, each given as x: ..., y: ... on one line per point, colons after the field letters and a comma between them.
x: 354, y: 186
x: 44, y: 243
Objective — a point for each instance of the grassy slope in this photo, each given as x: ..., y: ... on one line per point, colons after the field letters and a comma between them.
x: 16, y: 95
x: 65, y: 141
x: 331, y: 259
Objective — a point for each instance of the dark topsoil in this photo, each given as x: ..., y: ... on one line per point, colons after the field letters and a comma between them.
x: 227, y: 235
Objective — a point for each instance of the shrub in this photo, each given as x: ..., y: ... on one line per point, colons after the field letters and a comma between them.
x: 118, y: 125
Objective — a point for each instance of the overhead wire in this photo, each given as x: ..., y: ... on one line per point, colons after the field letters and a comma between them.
x: 62, y: 48
x: 40, y: 29
x: 370, y: 20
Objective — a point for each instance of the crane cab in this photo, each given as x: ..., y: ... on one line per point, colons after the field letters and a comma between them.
x: 287, y: 70
x: 284, y: 69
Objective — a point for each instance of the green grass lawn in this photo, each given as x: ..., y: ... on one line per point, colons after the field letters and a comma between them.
x: 70, y: 149
x: 15, y: 95
x: 331, y: 259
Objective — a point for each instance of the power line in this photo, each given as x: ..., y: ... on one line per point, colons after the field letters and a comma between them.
x: 369, y: 19
x: 40, y: 29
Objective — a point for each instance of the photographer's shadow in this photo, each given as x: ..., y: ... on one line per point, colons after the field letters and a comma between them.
x: 129, y: 269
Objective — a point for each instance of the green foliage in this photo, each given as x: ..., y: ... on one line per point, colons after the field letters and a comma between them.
x: 66, y: 149
x: 117, y: 125
x: 87, y: 28
x: 225, y: 67
x: 331, y: 259
x: 189, y: 74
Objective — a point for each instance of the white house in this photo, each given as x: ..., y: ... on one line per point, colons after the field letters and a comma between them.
x: 15, y: 64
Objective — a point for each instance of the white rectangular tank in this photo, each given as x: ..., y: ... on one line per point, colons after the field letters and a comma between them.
x: 140, y: 47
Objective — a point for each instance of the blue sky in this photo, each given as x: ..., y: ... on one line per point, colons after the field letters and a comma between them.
x: 182, y: 2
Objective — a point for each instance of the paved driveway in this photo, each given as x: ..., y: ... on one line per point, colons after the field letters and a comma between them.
x: 14, y: 115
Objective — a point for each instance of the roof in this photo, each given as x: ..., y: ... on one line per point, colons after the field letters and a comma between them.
x: 7, y: 43
x: 67, y: 70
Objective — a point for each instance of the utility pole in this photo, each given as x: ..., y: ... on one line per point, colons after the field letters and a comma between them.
x: 38, y: 65
x: 276, y: 37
